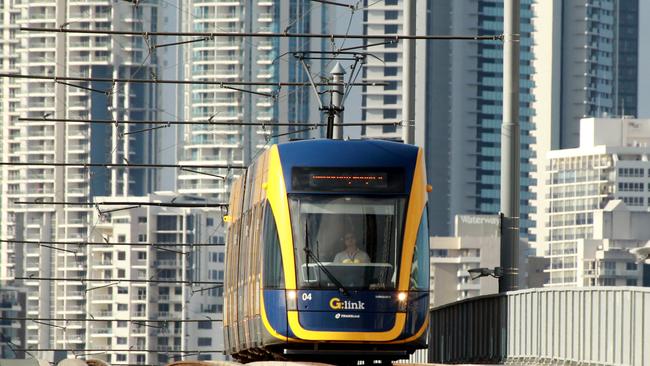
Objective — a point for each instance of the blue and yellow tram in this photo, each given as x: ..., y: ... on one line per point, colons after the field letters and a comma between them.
x: 328, y: 253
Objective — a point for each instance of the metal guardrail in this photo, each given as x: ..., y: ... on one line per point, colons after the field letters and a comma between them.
x: 469, y: 331
x: 590, y: 325
x: 593, y: 325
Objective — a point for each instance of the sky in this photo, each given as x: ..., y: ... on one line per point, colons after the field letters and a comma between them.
x: 644, y: 59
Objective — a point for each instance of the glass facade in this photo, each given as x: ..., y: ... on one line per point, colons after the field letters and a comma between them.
x: 489, y: 114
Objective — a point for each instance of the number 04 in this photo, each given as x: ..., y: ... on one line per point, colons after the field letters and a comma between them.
x: 306, y: 297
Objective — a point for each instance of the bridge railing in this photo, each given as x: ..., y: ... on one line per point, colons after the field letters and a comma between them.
x: 469, y: 331
x: 592, y: 325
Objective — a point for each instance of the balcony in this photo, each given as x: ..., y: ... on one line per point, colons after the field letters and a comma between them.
x: 101, y: 331
x: 166, y: 263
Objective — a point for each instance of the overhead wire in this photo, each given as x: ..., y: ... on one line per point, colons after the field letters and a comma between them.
x: 180, y: 122
x: 118, y: 280
x: 46, y: 319
x: 212, y: 35
x: 124, y: 350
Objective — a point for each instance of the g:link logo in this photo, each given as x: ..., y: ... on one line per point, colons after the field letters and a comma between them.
x: 337, y: 304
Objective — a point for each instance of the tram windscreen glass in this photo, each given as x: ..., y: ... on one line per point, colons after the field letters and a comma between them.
x: 383, y: 180
x: 347, y: 240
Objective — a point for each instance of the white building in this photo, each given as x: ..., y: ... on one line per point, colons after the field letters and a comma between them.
x: 606, y: 259
x: 586, y: 65
x: 383, y: 103
x: 586, y: 57
x: 475, y: 244
x: 43, y: 141
x: 154, y: 245
x: 611, y: 163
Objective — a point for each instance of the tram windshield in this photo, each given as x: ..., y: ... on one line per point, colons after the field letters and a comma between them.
x: 348, y: 241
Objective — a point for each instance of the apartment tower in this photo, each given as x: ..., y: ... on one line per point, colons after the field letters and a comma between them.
x: 43, y: 142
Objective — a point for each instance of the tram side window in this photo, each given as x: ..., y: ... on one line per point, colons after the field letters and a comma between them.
x: 420, y: 265
x: 273, y: 272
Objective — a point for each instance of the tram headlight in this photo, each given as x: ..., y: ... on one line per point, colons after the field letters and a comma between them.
x: 401, y: 301
x: 291, y: 300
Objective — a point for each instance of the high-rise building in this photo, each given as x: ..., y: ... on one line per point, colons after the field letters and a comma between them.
x: 383, y: 102
x: 587, y: 54
x: 245, y: 59
x: 43, y: 141
x: 611, y: 163
x: 586, y: 65
x: 167, y: 270
x: 463, y: 114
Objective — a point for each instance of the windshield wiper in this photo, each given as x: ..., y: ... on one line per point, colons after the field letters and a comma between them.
x: 320, y: 265
x: 328, y: 273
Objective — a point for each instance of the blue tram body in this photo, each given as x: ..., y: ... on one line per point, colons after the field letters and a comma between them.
x: 328, y: 254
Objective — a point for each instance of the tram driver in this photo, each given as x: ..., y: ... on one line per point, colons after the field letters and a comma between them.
x: 351, y: 254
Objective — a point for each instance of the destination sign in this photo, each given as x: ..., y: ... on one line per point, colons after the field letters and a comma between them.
x: 348, y: 179
x: 368, y: 180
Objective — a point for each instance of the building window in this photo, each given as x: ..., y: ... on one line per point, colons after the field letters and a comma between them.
x: 390, y: 114
x: 121, y: 273
x: 122, y: 290
x: 142, y: 255
x: 630, y: 282
x: 120, y: 357
x: 388, y: 128
x: 390, y: 71
x: 209, y: 221
x: 204, y: 357
x: 630, y: 187
x: 440, y: 253
x: 204, y: 341
x: 633, y: 201
x: 121, y: 340
x: 122, y: 307
x: 166, y: 223
x: 140, y: 359
x: 390, y: 29
x: 121, y: 256
x: 390, y: 57
x: 142, y: 219
x: 630, y: 266
x: 390, y: 99
x: 630, y: 172
x: 121, y: 238
x: 121, y: 323
x: 391, y: 14
x: 205, y: 324
x: 142, y: 238
x: 390, y: 85
x: 609, y: 282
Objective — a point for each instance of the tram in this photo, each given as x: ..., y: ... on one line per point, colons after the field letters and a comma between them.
x: 327, y: 253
